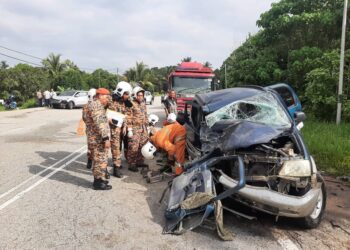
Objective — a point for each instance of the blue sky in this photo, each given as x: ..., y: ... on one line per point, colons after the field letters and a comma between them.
x: 115, y: 34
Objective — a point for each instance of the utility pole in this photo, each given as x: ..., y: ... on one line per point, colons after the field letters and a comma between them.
x: 99, y: 80
x: 225, y: 77
x: 341, y: 69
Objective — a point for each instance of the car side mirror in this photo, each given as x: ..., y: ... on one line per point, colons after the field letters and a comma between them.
x: 299, y: 117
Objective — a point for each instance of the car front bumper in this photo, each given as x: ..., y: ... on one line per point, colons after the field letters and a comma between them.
x: 272, y: 202
x: 62, y: 104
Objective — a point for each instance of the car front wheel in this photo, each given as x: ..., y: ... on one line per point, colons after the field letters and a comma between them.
x: 314, y: 219
x: 70, y: 105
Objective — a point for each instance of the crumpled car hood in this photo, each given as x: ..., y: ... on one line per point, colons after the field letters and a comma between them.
x: 241, y: 134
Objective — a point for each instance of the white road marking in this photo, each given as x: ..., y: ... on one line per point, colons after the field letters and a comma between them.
x: 80, y: 162
x: 20, y: 194
x: 44, y: 170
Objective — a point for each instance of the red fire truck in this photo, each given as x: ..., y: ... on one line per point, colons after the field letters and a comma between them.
x: 188, y: 79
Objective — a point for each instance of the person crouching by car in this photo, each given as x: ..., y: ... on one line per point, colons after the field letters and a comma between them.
x: 172, y: 139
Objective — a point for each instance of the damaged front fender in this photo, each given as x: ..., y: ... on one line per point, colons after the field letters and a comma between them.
x: 192, y: 195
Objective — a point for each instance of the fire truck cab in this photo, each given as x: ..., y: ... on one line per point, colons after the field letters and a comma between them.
x: 189, y: 79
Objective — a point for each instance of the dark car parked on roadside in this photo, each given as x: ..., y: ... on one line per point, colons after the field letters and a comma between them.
x: 244, y: 144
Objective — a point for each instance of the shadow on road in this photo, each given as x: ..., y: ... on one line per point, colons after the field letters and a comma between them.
x: 63, y: 175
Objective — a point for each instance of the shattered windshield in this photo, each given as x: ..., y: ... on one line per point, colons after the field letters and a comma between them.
x: 262, y: 108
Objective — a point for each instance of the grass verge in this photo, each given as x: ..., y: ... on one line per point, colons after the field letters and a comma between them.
x: 329, y: 144
x: 31, y: 103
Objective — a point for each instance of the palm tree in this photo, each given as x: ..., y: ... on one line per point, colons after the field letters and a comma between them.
x: 70, y: 64
x: 3, y: 65
x: 130, y: 74
x: 140, y: 71
x: 55, y: 68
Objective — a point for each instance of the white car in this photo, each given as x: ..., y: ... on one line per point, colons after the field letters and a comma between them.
x: 70, y: 99
x: 149, y: 98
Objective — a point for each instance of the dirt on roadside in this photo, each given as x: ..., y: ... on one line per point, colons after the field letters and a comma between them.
x: 338, y: 201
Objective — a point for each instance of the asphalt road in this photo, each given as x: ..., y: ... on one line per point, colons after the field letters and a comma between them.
x: 46, y: 199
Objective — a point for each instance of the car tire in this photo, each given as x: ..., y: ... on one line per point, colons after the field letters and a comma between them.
x: 314, y: 219
x: 70, y: 105
x: 151, y: 102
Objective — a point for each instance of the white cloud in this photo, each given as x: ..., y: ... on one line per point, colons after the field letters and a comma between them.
x: 112, y: 34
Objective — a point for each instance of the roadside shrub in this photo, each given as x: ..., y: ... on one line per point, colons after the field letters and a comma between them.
x: 30, y: 103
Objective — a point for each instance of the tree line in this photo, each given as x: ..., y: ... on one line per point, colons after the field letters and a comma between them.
x: 23, y: 80
x: 298, y: 43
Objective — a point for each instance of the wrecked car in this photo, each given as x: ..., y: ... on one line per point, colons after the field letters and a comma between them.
x: 244, y: 144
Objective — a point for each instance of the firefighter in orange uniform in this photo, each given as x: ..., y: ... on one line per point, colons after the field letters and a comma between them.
x: 172, y: 139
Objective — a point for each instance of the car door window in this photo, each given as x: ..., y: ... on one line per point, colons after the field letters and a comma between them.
x: 286, y: 95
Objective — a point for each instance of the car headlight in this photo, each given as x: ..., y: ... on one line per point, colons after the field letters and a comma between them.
x: 296, y: 168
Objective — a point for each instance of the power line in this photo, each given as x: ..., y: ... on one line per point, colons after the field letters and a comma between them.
x: 83, y: 68
x: 21, y: 52
x: 21, y: 60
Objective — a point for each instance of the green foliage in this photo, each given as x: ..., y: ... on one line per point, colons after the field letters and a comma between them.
x: 55, y: 69
x: 297, y: 44
x: 22, y: 81
x: 30, y: 103
x: 101, y: 79
x: 3, y: 65
x: 150, y: 79
x: 73, y: 79
x: 329, y: 144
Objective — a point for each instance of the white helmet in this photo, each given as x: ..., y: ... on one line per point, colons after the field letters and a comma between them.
x: 171, y: 118
x: 91, y: 93
x: 121, y: 88
x: 153, y: 119
x: 136, y: 90
x: 148, y: 150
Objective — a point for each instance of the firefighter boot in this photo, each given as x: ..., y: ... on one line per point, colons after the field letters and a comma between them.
x: 89, y: 164
x: 116, y: 172
x: 99, y: 184
x: 133, y: 168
